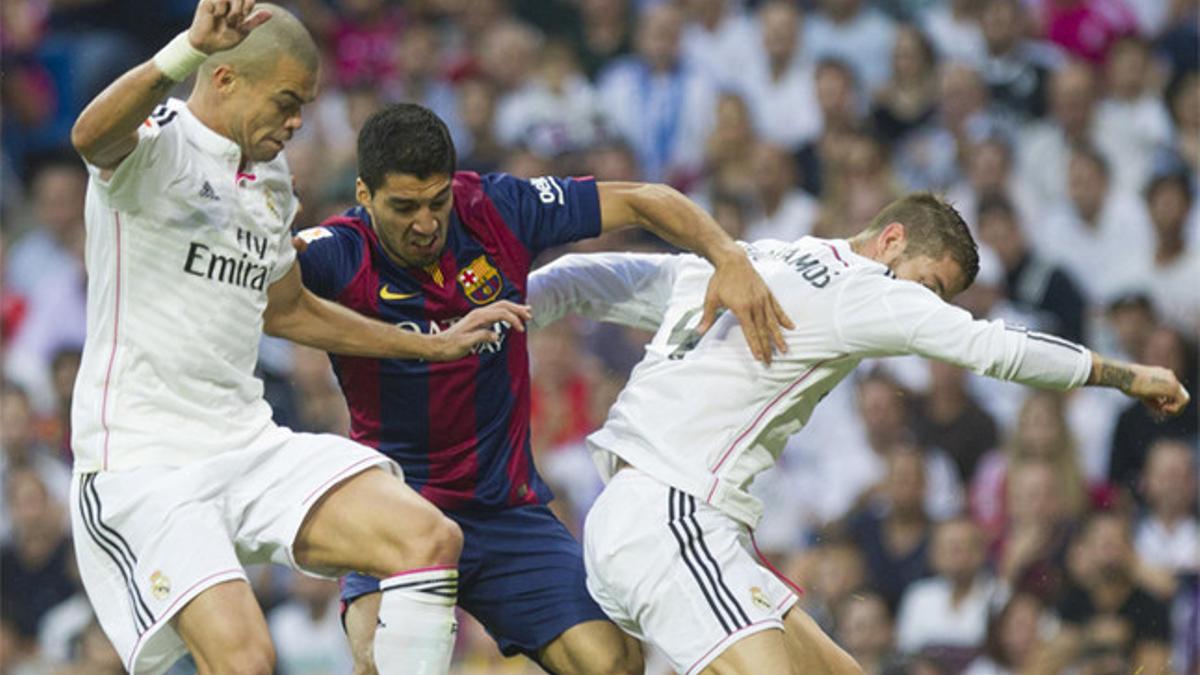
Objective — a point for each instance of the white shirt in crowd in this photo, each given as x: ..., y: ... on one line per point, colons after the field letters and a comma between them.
x: 954, y: 39
x: 793, y: 219
x: 723, y: 51
x: 1135, y: 131
x: 1176, y: 548
x: 181, y: 249
x: 864, y: 42
x: 1106, y: 259
x: 784, y: 110
x: 701, y: 415
x: 308, y: 646
x: 928, y: 616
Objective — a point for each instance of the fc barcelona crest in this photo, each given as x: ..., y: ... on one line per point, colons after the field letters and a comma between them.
x: 480, y: 281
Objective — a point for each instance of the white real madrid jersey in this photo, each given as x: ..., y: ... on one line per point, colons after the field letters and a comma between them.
x: 181, y: 248
x: 700, y: 414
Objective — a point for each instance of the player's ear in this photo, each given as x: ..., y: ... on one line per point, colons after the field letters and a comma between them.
x: 892, y: 241
x: 224, y: 79
x: 362, y: 193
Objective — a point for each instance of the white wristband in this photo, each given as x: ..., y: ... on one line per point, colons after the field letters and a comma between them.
x: 179, y: 58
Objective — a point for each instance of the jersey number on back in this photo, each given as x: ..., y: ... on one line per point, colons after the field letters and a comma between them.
x: 684, y: 337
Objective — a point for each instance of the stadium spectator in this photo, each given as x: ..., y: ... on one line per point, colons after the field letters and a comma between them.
x: 946, y: 615
x: 481, y: 150
x: 661, y: 105
x: 605, y: 34
x: 948, y: 418
x: 1168, y: 533
x: 831, y: 572
x: 718, y: 38
x: 1014, y: 636
x: 1031, y: 282
x: 1174, y: 274
x: 930, y: 157
x: 778, y: 82
x: 865, y: 629
x: 859, y: 181
x: 21, y: 449
x: 1041, y: 435
x: 908, y: 99
x: 1184, y: 100
x: 419, y: 75
x: 1102, y: 225
x: 1131, y: 319
x: 855, y: 32
x: 785, y: 211
x: 1031, y: 552
x: 360, y: 37
x: 887, y: 419
x: 556, y: 111
x: 729, y: 153
x: 1131, y: 120
x: 1015, y: 68
x: 307, y: 630
x: 1106, y: 602
x: 57, y: 187
x: 96, y: 655
x: 1044, y: 146
x: 1136, y: 427
x: 893, y: 529
x: 989, y: 170
x: 838, y: 97
x: 953, y: 28
x: 36, y: 565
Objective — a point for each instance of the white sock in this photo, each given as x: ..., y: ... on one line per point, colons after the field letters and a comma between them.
x: 416, y: 630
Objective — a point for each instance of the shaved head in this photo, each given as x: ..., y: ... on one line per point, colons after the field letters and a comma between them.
x: 256, y: 56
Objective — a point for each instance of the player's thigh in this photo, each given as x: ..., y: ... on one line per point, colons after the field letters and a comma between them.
x: 361, y: 617
x: 593, y: 647
x: 375, y: 524
x: 811, y: 650
x: 762, y: 652
x: 225, y: 631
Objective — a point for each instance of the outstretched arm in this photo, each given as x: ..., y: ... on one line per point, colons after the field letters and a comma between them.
x: 1157, y: 387
x: 295, y: 313
x: 735, y: 283
x: 630, y: 289
x: 887, y: 317
x: 106, y: 131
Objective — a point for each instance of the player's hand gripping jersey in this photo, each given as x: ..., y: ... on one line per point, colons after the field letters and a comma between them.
x: 168, y: 378
x: 700, y: 414
x: 459, y: 429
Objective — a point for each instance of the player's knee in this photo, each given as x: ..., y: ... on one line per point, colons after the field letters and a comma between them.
x: 443, y: 542
x: 625, y: 662
x: 431, y: 539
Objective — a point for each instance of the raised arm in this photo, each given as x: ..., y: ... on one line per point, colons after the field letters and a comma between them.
x: 295, y: 313
x: 630, y: 289
x: 106, y: 131
x: 735, y: 284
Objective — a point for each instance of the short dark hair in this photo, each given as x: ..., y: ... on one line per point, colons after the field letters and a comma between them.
x: 933, y: 228
x: 404, y: 138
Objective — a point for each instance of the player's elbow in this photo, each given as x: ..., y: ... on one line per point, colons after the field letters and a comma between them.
x: 83, y: 138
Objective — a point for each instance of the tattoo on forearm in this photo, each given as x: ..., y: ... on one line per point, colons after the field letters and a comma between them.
x: 163, y: 84
x: 1114, y: 375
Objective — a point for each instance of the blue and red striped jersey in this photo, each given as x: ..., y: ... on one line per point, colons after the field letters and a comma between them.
x: 459, y: 429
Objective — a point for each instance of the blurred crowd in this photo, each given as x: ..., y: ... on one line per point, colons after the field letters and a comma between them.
x: 939, y: 522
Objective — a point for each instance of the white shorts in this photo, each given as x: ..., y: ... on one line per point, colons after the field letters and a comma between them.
x: 674, y: 571
x: 150, y: 539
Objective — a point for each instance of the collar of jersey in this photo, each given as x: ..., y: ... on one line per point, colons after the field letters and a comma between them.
x: 208, y: 140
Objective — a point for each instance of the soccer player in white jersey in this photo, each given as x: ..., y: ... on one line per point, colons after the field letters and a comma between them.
x: 668, y: 543
x: 180, y: 476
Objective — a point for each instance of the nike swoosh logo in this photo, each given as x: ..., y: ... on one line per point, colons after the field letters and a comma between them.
x: 389, y: 295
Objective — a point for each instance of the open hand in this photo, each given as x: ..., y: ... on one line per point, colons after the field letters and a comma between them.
x: 223, y: 24
x: 737, y: 285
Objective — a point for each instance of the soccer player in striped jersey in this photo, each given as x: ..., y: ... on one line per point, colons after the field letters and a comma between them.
x: 426, y: 245
x: 180, y: 476
x: 668, y: 544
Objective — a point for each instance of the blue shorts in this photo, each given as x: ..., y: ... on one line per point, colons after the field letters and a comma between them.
x: 520, y: 575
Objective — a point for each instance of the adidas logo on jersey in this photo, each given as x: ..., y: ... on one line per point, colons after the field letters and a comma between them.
x: 208, y: 192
